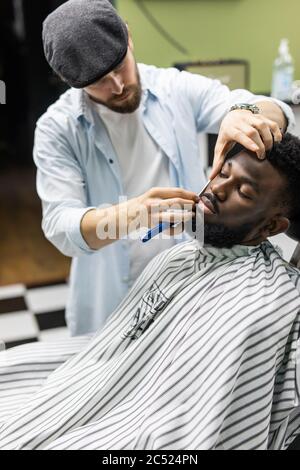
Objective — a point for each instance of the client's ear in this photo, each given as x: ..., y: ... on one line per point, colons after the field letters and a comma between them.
x: 278, y: 224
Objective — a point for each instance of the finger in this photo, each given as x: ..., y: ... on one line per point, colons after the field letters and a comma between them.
x: 168, y: 193
x: 249, y: 138
x: 217, y: 167
x: 221, y: 150
x: 175, y: 217
x: 171, y: 205
x: 265, y: 134
x: 251, y: 132
x: 275, y: 129
x: 222, y: 147
x: 157, y: 217
x: 176, y: 230
x: 176, y: 204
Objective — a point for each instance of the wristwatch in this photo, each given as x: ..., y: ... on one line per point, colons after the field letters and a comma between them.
x: 248, y: 107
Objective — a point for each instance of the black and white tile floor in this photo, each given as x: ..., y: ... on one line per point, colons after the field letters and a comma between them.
x: 32, y: 314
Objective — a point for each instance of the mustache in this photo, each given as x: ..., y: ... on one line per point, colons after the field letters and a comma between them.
x: 213, y: 200
x: 129, y: 89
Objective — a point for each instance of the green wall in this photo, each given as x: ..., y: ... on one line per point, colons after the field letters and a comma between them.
x: 214, y: 29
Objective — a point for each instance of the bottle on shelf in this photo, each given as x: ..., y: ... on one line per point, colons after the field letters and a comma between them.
x: 283, y: 73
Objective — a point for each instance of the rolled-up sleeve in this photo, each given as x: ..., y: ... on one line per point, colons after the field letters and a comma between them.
x: 211, y: 101
x: 60, y: 186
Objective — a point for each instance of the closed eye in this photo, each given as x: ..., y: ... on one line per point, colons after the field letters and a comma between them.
x: 243, y: 195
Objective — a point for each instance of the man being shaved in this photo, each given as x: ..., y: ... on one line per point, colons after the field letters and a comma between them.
x: 201, y: 354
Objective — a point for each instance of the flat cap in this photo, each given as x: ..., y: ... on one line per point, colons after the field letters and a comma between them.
x: 84, y: 40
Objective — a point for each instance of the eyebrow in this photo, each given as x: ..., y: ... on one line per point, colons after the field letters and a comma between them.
x: 116, y: 68
x: 245, y: 179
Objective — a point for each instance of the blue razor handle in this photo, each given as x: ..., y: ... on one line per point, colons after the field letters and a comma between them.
x: 157, y: 229
x: 165, y: 225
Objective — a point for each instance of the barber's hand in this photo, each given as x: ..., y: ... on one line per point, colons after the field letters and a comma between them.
x: 166, y: 205
x: 254, y: 131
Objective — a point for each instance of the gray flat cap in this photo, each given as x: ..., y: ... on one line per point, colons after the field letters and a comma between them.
x: 84, y: 40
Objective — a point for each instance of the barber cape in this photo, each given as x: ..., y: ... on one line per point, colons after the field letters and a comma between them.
x: 201, y: 354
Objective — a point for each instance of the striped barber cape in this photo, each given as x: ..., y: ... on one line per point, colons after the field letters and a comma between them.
x: 201, y: 354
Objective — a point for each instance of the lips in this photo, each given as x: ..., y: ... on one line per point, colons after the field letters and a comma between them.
x: 122, y: 98
x: 208, y: 204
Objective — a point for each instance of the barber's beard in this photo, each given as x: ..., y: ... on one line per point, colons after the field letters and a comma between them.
x: 130, y: 104
x: 217, y: 235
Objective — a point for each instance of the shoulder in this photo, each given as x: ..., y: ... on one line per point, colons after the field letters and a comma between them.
x: 294, y: 275
x: 180, y: 86
x: 165, y: 78
x: 151, y: 73
x: 63, y: 112
x: 292, y: 272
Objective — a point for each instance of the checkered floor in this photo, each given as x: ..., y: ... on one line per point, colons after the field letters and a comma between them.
x: 32, y: 314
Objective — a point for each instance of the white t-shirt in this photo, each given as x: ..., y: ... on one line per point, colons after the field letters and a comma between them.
x: 143, y: 165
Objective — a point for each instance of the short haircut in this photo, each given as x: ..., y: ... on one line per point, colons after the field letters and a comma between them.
x: 285, y: 158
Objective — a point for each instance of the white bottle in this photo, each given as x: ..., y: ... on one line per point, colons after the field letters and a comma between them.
x: 283, y: 73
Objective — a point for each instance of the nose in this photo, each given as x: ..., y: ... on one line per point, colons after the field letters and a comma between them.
x: 116, y: 83
x: 219, y: 188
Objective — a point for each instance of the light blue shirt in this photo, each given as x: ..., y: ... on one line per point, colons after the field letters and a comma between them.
x: 78, y: 170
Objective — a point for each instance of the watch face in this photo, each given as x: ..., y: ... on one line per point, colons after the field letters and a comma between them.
x: 249, y: 107
x: 254, y: 109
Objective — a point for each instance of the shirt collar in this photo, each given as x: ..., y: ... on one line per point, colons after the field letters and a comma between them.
x: 148, y: 88
x: 82, y: 106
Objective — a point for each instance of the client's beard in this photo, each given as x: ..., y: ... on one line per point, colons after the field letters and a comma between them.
x: 217, y: 235
x: 221, y: 236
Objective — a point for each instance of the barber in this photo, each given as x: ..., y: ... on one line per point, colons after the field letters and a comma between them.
x: 124, y: 129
